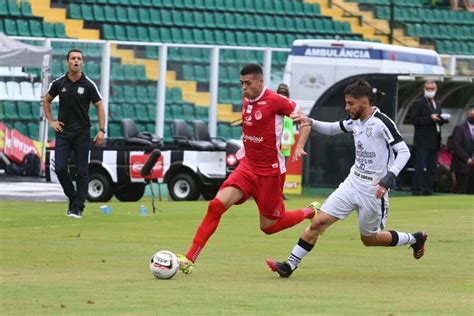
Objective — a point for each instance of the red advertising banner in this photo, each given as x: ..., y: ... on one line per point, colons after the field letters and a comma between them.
x: 15, y: 145
x: 136, y: 164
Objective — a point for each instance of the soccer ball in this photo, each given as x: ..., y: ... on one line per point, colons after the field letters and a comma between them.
x: 164, y: 264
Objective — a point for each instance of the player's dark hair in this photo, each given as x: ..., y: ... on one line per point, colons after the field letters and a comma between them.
x: 74, y: 50
x: 359, y: 89
x: 251, y: 69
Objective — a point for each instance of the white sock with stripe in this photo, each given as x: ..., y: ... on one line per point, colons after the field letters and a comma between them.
x: 299, y: 251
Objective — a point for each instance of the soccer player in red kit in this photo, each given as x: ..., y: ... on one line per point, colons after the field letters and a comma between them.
x: 261, y: 171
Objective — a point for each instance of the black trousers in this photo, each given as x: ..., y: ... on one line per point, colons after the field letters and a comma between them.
x: 426, y: 161
x: 79, y: 143
x: 465, y: 182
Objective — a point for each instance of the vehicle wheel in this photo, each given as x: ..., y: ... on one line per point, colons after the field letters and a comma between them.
x: 130, y: 192
x: 209, y: 192
x: 99, y: 189
x: 183, y: 187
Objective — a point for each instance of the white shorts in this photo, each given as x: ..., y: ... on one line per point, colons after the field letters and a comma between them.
x: 353, y: 195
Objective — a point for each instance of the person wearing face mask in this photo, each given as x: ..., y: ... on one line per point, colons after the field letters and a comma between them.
x: 463, y: 154
x: 426, y: 117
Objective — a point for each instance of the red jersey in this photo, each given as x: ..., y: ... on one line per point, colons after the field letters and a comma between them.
x: 262, y: 128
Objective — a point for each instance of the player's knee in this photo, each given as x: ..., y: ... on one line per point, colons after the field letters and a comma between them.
x: 318, y: 225
x: 216, y: 207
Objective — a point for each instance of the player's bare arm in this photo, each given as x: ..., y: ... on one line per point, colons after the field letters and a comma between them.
x: 99, y: 138
x: 56, y: 125
x: 305, y: 130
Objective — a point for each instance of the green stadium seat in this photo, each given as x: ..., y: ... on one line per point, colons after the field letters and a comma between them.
x: 188, y: 36
x: 230, y: 38
x: 24, y: 111
x: 98, y: 13
x: 121, y: 14
x: 108, y: 32
x: 23, y: 28
x: 117, y: 72
x: 132, y: 15
x: 132, y: 33
x: 117, y: 94
x: 224, y: 130
x: 74, y: 11
x: 92, y: 70
x: 115, y: 130
x: 142, y: 94
x: 165, y: 35
x: 141, y: 72
x: 10, y: 110
x: 189, y: 111
x: 209, y: 20
x: 3, y: 8
x: 141, y: 113
x: 236, y: 132
x: 154, y: 37
x: 120, y: 32
x: 87, y: 13
x: 168, y: 112
x: 144, y: 16
x: 176, y: 95
x: 198, y: 18
x: 177, y: 111
x: 48, y: 30
x: 59, y: 30
x: 202, y: 113
x: 224, y: 95
x: 198, y: 36
x: 130, y: 96
x: 115, y: 112
x: 13, y: 8
x: 236, y: 95
x: 166, y: 18
x: 209, y: 36
x: 152, y: 112
x: 177, y: 35
x: 168, y: 133
x: 25, y: 8
x: 10, y: 27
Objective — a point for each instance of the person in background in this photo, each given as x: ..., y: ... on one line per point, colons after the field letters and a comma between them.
x: 463, y: 154
x: 76, y: 91
x: 445, y: 178
x: 426, y: 117
x: 288, y: 136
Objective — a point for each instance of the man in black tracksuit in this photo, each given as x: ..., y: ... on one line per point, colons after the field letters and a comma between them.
x: 76, y: 91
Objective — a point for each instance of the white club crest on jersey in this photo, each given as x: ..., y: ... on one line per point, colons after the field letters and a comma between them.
x: 80, y: 90
x: 258, y: 115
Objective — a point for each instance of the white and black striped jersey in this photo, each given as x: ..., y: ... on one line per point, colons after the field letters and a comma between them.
x: 375, y: 141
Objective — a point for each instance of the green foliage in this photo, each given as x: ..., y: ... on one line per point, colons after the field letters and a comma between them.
x: 51, y: 264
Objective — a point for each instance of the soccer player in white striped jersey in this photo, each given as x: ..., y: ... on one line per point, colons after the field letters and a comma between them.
x: 366, y: 188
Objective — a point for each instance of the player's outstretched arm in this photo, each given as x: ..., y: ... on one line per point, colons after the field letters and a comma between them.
x: 305, y: 129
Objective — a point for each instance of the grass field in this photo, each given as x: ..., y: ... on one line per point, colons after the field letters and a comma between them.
x: 51, y: 264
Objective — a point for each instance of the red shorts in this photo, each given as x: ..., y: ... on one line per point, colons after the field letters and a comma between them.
x: 266, y: 190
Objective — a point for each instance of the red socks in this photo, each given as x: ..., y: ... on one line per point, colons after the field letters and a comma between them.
x: 206, y: 229
x: 289, y: 219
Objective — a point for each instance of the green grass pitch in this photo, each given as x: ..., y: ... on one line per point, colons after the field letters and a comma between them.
x: 51, y: 264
